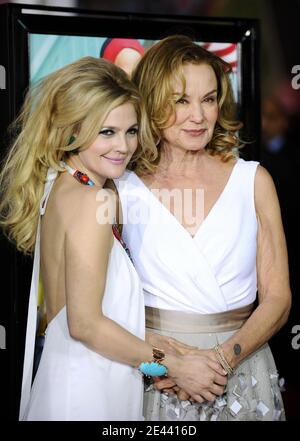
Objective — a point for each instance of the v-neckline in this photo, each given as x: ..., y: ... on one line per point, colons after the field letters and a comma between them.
x: 209, y: 214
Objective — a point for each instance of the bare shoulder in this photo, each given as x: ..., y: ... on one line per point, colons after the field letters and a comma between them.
x: 266, y: 200
x: 94, y: 203
x: 84, y: 207
x: 263, y: 183
x: 263, y: 177
x: 90, y: 225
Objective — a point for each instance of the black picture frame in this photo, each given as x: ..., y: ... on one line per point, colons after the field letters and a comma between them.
x: 17, y: 21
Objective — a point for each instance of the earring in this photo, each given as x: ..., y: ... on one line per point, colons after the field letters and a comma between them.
x: 72, y: 139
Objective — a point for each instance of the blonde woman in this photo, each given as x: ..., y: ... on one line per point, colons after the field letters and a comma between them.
x: 211, y: 236
x: 79, y: 128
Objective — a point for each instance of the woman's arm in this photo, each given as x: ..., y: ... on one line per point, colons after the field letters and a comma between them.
x: 273, y: 281
x: 272, y: 274
x: 88, y: 243
x: 87, y: 248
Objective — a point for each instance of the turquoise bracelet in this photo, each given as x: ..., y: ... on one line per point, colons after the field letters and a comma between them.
x: 153, y: 369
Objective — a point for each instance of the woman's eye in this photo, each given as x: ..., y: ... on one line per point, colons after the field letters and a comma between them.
x: 210, y: 99
x: 181, y: 101
x: 106, y: 132
x: 134, y: 131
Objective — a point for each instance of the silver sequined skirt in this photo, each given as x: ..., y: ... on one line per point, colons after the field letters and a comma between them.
x: 252, y: 393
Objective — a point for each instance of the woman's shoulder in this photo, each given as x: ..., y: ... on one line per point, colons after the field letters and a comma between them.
x: 265, y: 192
x: 263, y: 180
x: 86, y: 218
x: 74, y: 203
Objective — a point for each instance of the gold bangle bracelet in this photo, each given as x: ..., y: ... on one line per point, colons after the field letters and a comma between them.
x: 222, y: 360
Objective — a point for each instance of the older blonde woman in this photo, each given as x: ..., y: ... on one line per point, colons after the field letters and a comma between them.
x: 210, y: 236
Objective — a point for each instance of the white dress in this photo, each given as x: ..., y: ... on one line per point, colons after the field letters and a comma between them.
x: 212, y: 273
x: 72, y: 381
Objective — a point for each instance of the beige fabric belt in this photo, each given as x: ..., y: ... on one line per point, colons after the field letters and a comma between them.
x: 185, y: 322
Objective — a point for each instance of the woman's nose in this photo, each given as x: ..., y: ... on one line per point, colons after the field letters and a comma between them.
x: 197, y: 113
x: 122, y: 144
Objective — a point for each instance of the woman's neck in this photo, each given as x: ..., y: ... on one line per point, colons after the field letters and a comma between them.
x: 76, y: 163
x: 181, y: 163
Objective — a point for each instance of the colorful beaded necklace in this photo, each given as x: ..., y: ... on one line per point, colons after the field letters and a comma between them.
x: 78, y: 175
x: 85, y: 180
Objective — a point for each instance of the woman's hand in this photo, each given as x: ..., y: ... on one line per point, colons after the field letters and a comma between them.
x: 172, y: 346
x: 168, y: 385
x: 185, y: 349
x: 199, y: 375
x: 193, y: 361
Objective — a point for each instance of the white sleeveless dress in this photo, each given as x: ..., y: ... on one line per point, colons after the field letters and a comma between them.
x: 212, y: 272
x: 73, y: 382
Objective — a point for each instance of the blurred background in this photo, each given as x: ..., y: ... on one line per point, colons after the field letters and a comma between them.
x: 280, y: 120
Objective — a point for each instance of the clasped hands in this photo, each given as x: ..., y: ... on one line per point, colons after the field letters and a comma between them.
x: 199, y: 376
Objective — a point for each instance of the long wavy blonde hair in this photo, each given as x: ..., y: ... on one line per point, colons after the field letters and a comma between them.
x: 76, y: 99
x: 154, y: 76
